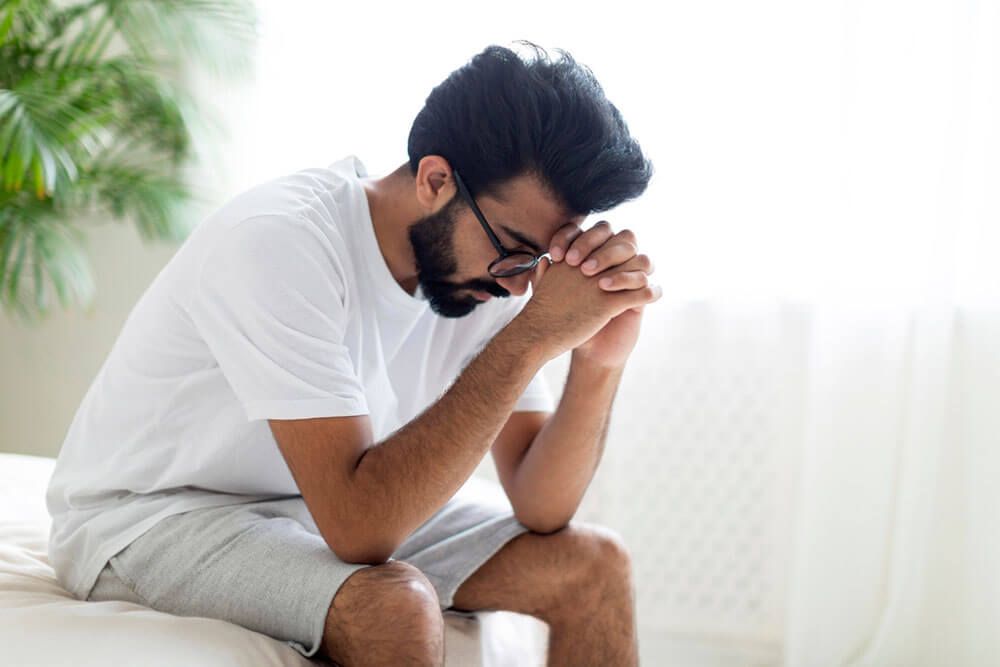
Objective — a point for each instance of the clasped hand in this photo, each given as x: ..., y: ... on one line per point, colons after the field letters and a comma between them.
x: 616, y: 257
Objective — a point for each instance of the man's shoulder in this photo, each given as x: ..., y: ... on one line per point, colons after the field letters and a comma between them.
x: 325, y: 195
x: 312, y: 209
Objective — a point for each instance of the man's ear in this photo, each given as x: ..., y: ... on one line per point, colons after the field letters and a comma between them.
x: 435, y: 183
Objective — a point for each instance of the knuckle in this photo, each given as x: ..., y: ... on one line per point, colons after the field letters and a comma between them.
x: 568, y: 234
x: 631, y: 247
x: 601, y: 230
x: 569, y: 228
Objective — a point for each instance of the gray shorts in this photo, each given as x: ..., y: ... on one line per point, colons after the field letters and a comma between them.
x: 264, y: 566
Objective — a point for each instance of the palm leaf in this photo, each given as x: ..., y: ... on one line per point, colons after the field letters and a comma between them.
x: 95, y: 119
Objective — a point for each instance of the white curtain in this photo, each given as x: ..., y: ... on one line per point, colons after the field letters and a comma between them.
x: 804, y: 450
x: 896, y: 536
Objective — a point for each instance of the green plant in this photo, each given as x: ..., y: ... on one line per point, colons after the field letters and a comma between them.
x: 97, y: 117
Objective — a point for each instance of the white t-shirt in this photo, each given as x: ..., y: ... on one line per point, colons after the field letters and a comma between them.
x: 279, y: 305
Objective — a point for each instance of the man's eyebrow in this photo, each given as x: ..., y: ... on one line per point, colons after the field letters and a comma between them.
x: 518, y: 236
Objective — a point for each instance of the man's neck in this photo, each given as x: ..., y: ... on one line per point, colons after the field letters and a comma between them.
x: 394, y: 208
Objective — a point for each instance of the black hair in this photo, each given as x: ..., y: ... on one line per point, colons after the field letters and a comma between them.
x: 498, y: 117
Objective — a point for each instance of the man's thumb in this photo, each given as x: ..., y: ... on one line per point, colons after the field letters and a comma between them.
x: 540, y: 269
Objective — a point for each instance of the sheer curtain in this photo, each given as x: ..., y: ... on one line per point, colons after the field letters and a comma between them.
x: 804, y: 449
x: 896, y: 547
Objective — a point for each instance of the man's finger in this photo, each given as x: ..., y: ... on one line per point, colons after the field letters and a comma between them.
x: 539, y: 271
x: 615, y: 251
x: 562, y: 239
x: 586, y: 243
x: 623, y: 280
x: 640, y: 264
x: 632, y: 298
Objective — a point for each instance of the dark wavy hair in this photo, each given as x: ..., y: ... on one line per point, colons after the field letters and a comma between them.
x: 499, y: 116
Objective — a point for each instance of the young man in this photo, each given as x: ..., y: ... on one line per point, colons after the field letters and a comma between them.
x: 281, y: 434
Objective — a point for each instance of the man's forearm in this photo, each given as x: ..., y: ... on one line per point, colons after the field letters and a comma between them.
x: 403, y: 480
x: 560, y: 463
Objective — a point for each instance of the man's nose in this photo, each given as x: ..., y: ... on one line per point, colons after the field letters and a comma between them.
x: 516, y: 285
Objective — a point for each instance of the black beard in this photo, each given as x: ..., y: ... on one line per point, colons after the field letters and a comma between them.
x: 432, y: 239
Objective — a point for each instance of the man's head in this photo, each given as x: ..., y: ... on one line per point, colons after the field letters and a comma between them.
x: 538, y: 145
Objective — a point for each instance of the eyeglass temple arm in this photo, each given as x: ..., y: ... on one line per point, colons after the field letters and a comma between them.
x: 479, y: 214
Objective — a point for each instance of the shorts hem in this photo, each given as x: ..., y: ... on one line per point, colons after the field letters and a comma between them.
x: 321, y: 615
x: 509, y: 532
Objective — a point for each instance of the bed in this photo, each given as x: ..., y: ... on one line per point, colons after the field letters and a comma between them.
x: 42, y: 624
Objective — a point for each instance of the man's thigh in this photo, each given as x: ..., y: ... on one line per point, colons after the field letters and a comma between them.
x: 259, y: 565
x: 461, y: 536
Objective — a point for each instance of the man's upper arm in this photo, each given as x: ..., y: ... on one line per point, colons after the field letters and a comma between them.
x: 512, y: 444
x: 322, y: 454
x: 269, y: 302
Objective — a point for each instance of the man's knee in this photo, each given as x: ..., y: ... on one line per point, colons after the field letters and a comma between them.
x: 599, y: 553
x: 613, y: 552
x: 385, y: 614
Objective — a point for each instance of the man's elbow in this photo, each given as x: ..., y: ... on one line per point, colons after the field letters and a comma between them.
x: 361, y: 557
x: 359, y: 547
x: 543, y: 525
x: 373, y: 554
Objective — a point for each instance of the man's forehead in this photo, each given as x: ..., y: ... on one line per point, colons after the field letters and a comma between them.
x: 531, y: 214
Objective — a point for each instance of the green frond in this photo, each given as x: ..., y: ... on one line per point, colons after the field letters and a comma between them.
x: 95, y: 119
x: 24, y: 19
x: 36, y: 130
x: 151, y: 197
x: 219, y: 33
x: 42, y: 263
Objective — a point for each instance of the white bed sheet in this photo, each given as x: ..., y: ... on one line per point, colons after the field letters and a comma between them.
x: 42, y: 624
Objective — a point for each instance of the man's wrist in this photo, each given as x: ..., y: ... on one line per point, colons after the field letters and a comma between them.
x: 581, y: 359
x: 524, y: 340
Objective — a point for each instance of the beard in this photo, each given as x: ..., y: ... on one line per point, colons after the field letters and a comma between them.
x: 432, y: 238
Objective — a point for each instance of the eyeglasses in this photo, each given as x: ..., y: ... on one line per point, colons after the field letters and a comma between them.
x: 507, y: 263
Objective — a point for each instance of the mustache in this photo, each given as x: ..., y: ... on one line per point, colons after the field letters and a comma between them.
x: 481, y: 285
x: 491, y: 288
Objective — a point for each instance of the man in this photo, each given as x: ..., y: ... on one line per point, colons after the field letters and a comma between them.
x: 281, y: 434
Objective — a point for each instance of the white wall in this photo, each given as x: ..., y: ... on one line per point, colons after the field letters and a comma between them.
x: 47, y: 367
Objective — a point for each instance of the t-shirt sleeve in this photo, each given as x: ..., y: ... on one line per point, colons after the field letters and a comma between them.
x: 269, y: 301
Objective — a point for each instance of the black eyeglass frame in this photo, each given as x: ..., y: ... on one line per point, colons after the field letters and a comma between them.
x: 502, y: 253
